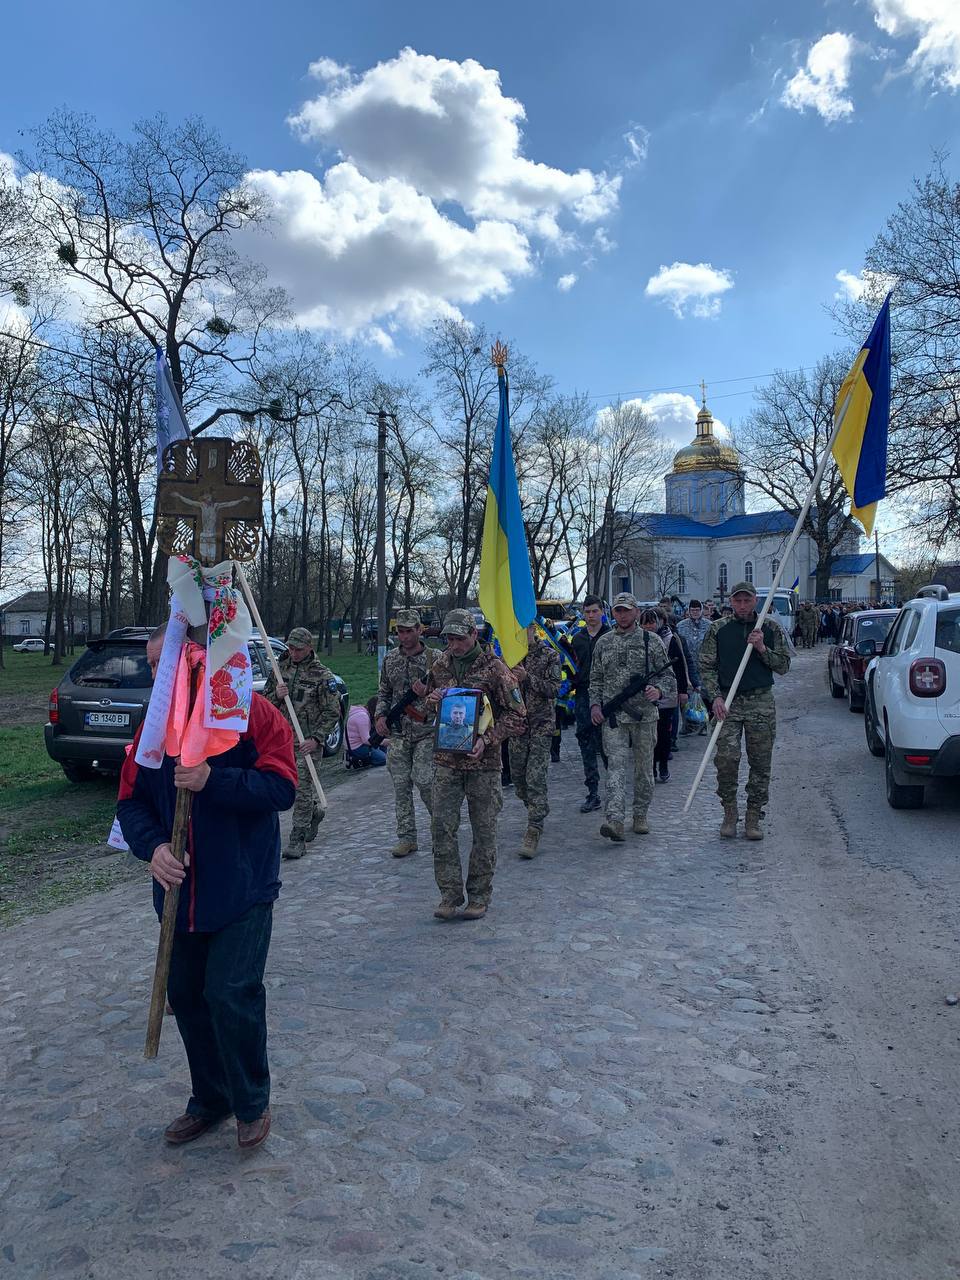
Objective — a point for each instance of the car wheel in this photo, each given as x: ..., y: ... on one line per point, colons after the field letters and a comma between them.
x: 874, y: 741
x: 333, y: 742
x: 852, y: 704
x: 899, y: 796
x: 836, y: 690
x: 77, y: 772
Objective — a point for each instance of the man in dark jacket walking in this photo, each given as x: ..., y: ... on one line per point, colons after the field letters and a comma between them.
x: 588, y: 735
x: 228, y: 884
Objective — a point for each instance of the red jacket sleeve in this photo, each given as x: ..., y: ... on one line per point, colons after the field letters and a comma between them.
x: 272, y: 782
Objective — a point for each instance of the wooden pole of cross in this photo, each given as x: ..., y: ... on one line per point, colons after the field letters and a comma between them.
x: 209, y: 499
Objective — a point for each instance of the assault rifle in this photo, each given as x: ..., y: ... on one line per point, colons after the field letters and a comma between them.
x: 395, y: 714
x: 630, y: 690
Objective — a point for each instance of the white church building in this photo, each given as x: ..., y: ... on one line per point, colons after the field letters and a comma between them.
x: 705, y: 540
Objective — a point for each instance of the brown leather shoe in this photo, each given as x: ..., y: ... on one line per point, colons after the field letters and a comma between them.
x: 187, y: 1127
x: 474, y: 911
x: 252, y: 1133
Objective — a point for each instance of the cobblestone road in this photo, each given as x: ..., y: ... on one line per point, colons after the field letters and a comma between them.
x: 576, y: 1086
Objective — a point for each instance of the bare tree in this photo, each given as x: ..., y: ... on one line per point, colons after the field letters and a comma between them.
x: 781, y: 444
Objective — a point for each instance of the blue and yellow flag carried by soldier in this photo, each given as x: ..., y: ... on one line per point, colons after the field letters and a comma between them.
x: 863, y: 413
x: 506, y: 584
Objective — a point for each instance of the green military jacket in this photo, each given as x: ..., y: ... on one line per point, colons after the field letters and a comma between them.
x: 313, y: 692
x: 619, y: 656
x: 397, y: 675
x: 541, y: 667
x: 723, y: 647
x: 488, y: 673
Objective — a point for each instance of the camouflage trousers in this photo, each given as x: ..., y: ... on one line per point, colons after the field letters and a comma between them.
x: 484, y: 797
x: 306, y: 808
x: 635, y: 738
x: 529, y: 766
x: 410, y: 764
x: 752, y: 715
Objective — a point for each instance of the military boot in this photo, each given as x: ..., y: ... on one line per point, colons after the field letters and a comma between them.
x: 751, y: 826
x: 474, y: 911
x: 314, y: 829
x: 528, y: 848
x: 731, y: 816
x: 403, y: 848
x: 613, y: 831
x: 295, y: 849
x: 641, y: 827
x: 591, y: 804
x: 447, y: 910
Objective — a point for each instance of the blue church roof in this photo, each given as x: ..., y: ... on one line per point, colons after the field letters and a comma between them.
x: 849, y: 565
x: 659, y: 524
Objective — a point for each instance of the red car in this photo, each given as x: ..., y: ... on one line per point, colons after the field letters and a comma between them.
x: 861, y: 638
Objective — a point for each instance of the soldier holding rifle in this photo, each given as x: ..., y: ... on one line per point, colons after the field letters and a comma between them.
x: 629, y: 674
x: 404, y: 717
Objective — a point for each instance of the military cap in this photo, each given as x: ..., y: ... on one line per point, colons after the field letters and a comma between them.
x: 408, y: 618
x: 624, y: 601
x: 458, y: 622
x: 748, y: 587
x: 300, y: 638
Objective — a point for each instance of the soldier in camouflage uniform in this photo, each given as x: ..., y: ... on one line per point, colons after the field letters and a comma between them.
x: 619, y: 656
x: 808, y: 624
x: 313, y: 692
x: 465, y: 665
x: 752, y: 713
x: 410, y: 758
x: 539, y: 678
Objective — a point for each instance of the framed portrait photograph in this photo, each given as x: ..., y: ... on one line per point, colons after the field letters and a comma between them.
x: 457, y: 720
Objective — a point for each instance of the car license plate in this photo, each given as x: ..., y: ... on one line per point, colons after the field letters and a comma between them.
x: 106, y: 719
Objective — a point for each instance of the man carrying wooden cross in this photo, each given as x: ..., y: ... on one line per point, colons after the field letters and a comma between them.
x: 220, y: 773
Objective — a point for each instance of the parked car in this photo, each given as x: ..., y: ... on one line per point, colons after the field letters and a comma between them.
x: 96, y: 709
x: 29, y: 646
x: 861, y: 639
x: 783, y: 606
x: 912, y: 703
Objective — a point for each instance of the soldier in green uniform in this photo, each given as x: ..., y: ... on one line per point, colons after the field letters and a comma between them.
x: 410, y: 758
x: 313, y: 692
x: 539, y: 678
x: 619, y: 656
x: 476, y: 777
x: 752, y: 713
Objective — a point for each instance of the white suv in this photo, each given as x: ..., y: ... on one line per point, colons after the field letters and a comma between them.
x: 912, y: 702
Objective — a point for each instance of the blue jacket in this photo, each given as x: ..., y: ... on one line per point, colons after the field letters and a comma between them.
x: 234, y: 833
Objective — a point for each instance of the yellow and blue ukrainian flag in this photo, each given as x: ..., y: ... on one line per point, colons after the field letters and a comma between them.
x: 863, y: 411
x: 506, y: 584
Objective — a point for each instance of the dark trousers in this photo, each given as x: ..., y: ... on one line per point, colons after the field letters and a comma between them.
x: 661, y: 752
x: 216, y: 990
x: 588, y: 740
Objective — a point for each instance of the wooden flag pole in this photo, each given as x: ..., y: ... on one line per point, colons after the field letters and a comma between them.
x: 278, y: 677
x: 768, y: 603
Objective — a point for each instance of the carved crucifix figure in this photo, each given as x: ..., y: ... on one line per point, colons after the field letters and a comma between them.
x: 201, y: 482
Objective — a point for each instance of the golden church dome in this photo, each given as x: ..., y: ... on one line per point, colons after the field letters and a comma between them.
x: 706, y: 452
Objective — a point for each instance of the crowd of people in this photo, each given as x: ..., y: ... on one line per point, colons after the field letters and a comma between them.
x: 448, y: 713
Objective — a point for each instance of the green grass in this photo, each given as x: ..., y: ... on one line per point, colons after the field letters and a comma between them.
x: 32, y: 672
x: 358, y: 670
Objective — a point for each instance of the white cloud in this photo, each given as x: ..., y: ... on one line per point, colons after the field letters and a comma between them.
x: 821, y: 83
x: 871, y: 286
x: 935, y: 24
x: 637, y: 139
x: 698, y: 286
x: 447, y: 129
x: 566, y: 283
x: 675, y: 416
x: 353, y: 252
x: 429, y: 203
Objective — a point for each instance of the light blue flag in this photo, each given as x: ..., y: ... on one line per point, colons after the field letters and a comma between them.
x: 171, y: 424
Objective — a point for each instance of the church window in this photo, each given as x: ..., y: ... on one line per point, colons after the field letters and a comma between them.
x: 681, y: 580
x: 625, y: 583
x: 748, y: 571
x: 722, y: 579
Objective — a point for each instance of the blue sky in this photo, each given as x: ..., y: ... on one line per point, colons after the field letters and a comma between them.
x: 773, y: 199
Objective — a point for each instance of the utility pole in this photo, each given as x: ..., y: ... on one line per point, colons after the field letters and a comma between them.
x: 381, y: 537
x: 876, y: 544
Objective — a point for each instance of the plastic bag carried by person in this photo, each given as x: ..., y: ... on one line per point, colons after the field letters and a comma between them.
x: 695, y: 713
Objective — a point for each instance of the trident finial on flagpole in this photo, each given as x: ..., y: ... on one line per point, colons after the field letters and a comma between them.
x: 499, y: 355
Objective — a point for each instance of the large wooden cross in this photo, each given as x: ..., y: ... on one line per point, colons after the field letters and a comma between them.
x: 209, y: 498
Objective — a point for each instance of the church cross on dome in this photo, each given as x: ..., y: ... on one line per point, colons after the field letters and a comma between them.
x: 703, y: 393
